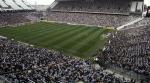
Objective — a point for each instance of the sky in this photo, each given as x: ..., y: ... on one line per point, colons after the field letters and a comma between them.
x: 48, y: 2
x: 40, y: 2
x: 147, y: 2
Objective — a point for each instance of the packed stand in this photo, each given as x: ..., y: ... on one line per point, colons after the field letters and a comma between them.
x: 12, y: 18
x: 112, y: 13
x: 143, y: 22
x: 129, y: 49
x: 21, y: 63
x: 109, y: 6
x: 91, y: 19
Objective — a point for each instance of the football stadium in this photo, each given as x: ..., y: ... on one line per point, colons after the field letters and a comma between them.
x: 75, y: 41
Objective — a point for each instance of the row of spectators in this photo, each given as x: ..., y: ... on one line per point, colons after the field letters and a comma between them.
x: 91, y: 19
x: 130, y: 49
x: 111, y: 6
x: 21, y: 63
x: 111, y: 13
x: 12, y: 18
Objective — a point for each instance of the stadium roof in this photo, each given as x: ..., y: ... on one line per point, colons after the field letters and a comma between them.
x: 93, y: 0
x: 6, y: 5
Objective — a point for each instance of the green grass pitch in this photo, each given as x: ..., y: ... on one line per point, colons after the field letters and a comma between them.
x: 74, y: 40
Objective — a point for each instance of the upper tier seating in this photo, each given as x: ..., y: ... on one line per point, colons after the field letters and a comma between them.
x: 15, y: 18
x: 113, y: 13
x: 91, y: 19
x: 129, y: 49
x: 111, y: 6
x: 39, y: 65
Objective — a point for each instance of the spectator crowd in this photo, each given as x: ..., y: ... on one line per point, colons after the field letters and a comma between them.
x: 112, y: 13
x: 22, y: 63
x: 91, y: 19
x: 13, y: 18
x: 129, y: 49
x: 143, y: 22
x: 111, y: 6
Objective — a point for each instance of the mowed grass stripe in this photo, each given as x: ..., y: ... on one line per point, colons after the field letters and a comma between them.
x: 81, y: 44
x: 99, y: 42
x: 17, y: 32
x: 75, y: 37
x: 87, y: 45
x: 19, y: 29
x: 74, y: 40
x: 62, y: 37
x: 74, y: 48
x: 25, y: 28
x: 89, y: 42
x: 9, y: 32
x: 29, y: 34
x: 49, y: 36
x: 42, y: 33
x: 13, y: 30
x: 39, y: 29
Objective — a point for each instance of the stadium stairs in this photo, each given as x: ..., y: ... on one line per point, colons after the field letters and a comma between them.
x: 4, y: 80
x: 53, y: 4
x: 130, y: 23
